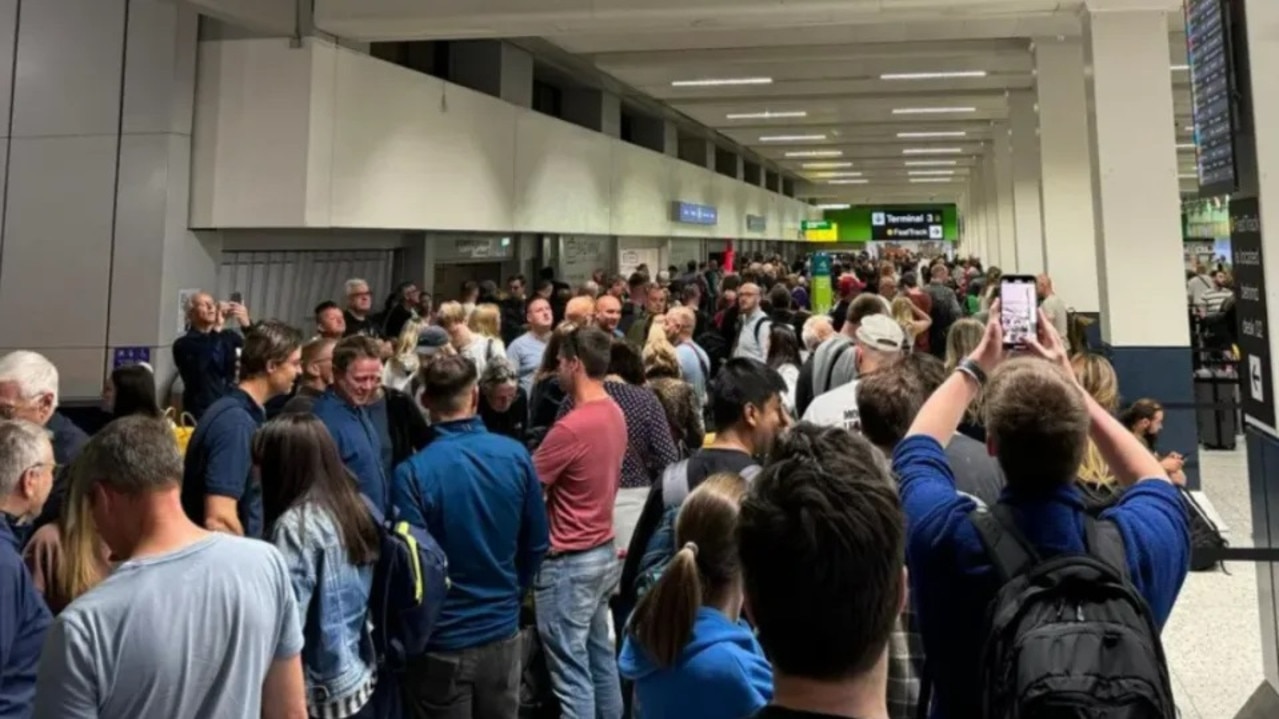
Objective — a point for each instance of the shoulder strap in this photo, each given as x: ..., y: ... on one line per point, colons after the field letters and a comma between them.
x: 1007, y: 548
x: 830, y: 368
x: 675, y: 484
x: 750, y: 473
x: 758, y: 324
x: 1106, y: 543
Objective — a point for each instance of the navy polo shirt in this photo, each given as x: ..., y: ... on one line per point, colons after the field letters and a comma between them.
x: 24, y: 619
x: 219, y: 461
x: 359, y: 444
x: 952, y: 582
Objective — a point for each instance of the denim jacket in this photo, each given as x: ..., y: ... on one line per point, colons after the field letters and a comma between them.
x: 333, y: 600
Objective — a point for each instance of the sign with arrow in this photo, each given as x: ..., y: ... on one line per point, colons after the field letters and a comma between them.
x: 1250, y: 306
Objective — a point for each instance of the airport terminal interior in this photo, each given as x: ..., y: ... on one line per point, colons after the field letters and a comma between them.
x: 267, y: 151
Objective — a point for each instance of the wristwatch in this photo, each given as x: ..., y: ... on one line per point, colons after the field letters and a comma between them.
x: 969, y: 367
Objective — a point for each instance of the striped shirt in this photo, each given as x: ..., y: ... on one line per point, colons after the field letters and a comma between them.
x: 1214, y: 299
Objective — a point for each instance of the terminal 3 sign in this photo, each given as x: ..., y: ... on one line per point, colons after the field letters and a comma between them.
x: 925, y: 224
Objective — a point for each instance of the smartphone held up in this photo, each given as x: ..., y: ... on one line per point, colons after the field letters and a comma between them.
x: 1018, y: 314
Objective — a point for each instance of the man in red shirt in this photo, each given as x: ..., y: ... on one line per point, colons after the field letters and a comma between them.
x: 580, y: 465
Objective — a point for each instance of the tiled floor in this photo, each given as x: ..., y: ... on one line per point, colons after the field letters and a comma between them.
x: 1212, y: 639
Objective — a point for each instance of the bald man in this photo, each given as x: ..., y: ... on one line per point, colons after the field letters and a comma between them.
x: 608, y: 315
x: 580, y: 311
x: 752, y: 338
x: 1054, y: 308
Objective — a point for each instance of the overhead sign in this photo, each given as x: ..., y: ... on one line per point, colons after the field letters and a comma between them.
x: 756, y: 223
x: 925, y: 224
x: 1250, y: 305
x: 691, y: 214
x: 1208, y: 46
x: 820, y: 230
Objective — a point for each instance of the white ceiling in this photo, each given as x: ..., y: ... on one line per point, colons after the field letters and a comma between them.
x: 824, y: 57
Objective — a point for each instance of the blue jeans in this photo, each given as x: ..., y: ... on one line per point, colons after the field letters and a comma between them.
x: 571, y: 596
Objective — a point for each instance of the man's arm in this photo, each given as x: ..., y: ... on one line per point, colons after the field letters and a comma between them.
x: 65, y: 685
x: 405, y: 496
x: 284, y: 691
x: 535, y: 536
x: 226, y: 474
x: 556, y: 453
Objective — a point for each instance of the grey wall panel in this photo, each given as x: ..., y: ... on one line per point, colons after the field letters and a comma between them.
x: 8, y: 34
x: 57, y: 241
x: 159, y: 87
x: 67, y: 79
x: 138, y: 264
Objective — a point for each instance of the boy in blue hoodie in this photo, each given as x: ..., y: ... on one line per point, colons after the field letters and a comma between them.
x: 686, y: 648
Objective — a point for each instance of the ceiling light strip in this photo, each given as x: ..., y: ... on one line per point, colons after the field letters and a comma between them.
x: 933, y: 151
x: 922, y: 180
x: 825, y: 165
x: 833, y: 206
x: 792, y: 138
x: 945, y: 75
x: 924, y: 173
x: 847, y: 182
x: 932, y: 110
x: 931, y: 135
x: 815, y: 153
x: 767, y: 115
x: 722, y: 81
x: 931, y: 163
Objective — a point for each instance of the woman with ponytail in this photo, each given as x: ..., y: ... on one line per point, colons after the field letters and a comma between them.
x: 686, y: 648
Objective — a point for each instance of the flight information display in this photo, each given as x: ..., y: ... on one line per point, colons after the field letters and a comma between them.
x: 1208, y: 45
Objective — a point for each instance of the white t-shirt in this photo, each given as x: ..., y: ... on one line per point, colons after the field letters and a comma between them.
x: 482, y: 349
x: 836, y: 408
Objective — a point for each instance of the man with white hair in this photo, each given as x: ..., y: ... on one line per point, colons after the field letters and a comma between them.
x: 26, y: 478
x: 29, y: 392
x: 206, y: 355
x: 359, y: 305
x: 694, y: 363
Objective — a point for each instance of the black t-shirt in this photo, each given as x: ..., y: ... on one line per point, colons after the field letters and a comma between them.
x: 356, y: 326
x: 775, y: 712
x: 510, y: 423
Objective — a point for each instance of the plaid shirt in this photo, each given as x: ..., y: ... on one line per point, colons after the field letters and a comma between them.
x: 905, y: 667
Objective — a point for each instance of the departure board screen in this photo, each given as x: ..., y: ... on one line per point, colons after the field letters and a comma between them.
x: 1208, y: 45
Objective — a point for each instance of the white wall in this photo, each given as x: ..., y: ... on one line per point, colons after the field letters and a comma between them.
x: 322, y: 136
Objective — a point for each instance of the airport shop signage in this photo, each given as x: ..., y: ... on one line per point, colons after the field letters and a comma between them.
x: 925, y: 224
x: 756, y: 223
x: 1257, y: 384
x: 691, y: 214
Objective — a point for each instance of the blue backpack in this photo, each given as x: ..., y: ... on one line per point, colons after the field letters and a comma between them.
x: 410, y: 581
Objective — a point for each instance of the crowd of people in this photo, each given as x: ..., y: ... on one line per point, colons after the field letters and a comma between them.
x: 687, y: 493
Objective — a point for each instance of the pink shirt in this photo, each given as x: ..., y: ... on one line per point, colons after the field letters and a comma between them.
x: 580, y: 464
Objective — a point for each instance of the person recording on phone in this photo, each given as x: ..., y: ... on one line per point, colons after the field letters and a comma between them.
x: 206, y: 355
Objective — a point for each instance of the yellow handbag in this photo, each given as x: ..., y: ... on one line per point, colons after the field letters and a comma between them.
x: 183, y: 427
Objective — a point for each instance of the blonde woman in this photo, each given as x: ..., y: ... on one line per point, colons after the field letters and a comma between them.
x: 913, y: 320
x: 402, y: 366
x: 686, y: 647
x: 479, y: 348
x: 1097, y: 377
x: 486, y: 322
x: 677, y: 397
x: 67, y: 558
x: 961, y: 340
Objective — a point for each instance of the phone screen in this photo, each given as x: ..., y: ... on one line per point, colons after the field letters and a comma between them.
x: 1018, y: 309
x: 237, y: 298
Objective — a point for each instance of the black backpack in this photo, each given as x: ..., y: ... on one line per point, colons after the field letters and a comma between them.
x: 1206, y: 542
x: 1068, y: 637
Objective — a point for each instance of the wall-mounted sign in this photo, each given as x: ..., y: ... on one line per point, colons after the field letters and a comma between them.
x: 1258, y: 387
x: 126, y: 356
x: 925, y: 224
x: 756, y: 223
x: 468, y: 249
x: 820, y: 230
x: 690, y: 214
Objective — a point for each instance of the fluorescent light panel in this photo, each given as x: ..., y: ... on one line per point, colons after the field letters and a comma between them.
x: 1188, y: 176
x: 826, y: 165
x: 847, y: 182
x: 833, y: 206
x: 767, y: 115
x: 722, y: 81
x: 1180, y: 68
x: 946, y: 75
x: 792, y: 138
x: 815, y: 153
x: 921, y: 180
x: 931, y: 135
x: 837, y: 174
x: 932, y: 151
x: 924, y: 173
x: 931, y: 163
x: 1185, y: 145
x: 931, y: 110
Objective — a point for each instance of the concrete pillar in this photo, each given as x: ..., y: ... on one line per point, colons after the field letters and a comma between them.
x: 495, y: 68
x: 1028, y: 219
x: 95, y: 246
x: 1261, y: 181
x: 994, y: 242
x: 1003, y: 162
x: 1069, y: 246
x: 976, y: 226
x: 1138, y: 215
x: 594, y: 109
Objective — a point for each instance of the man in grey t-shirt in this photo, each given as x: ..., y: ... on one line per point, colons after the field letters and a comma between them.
x: 191, y: 624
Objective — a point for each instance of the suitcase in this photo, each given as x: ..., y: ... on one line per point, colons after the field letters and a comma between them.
x: 1216, y: 399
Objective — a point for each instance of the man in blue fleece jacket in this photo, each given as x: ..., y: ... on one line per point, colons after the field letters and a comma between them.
x: 479, y: 496
x: 1039, y: 421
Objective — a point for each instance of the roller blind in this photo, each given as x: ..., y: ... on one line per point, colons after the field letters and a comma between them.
x: 288, y: 285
